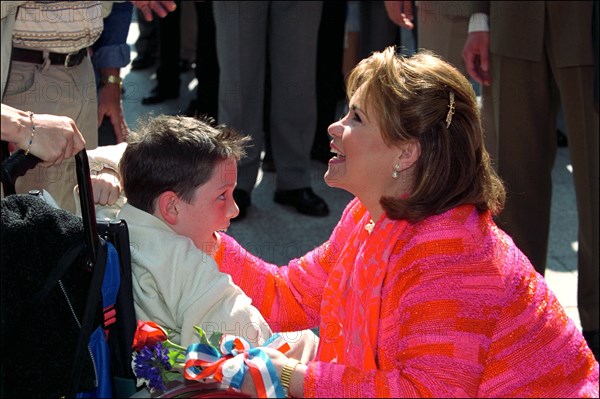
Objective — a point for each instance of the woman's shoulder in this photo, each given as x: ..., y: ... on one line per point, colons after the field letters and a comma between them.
x: 463, y: 220
x: 459, y: 232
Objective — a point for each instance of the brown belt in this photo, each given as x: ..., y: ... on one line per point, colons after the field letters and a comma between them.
x: 37, y: 57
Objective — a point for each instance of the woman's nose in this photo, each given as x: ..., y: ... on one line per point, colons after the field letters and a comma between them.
x: 335, y: 129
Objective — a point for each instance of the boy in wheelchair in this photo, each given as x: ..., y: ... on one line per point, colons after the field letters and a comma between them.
x: 178, y: 175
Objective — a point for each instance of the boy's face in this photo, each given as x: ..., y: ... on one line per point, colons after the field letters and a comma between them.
x: 211, y: 209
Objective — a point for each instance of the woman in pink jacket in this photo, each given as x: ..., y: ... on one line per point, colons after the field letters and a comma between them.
x: 417, y: 292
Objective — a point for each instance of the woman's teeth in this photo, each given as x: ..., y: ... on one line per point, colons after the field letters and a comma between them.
x: 338, y: 154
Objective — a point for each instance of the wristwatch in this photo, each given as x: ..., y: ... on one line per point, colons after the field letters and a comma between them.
x: 112, y: 79
x: 286, y: 375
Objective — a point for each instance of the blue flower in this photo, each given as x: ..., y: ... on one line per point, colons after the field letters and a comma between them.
x: 150, y: 366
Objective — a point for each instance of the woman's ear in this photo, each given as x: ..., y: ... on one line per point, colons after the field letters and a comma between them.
x: 409, y: 154
x: 167, y: 207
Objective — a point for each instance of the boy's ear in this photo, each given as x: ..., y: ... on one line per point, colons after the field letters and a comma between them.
x: 167, y: 206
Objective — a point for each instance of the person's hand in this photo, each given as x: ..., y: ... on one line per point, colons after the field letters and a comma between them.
x: 277, y: 358
x: 106, y: 187
x: 476, y: 56
x: 109, y: 105
x: 400, y: 13
x: 56, y: 138
x: 161, y: 8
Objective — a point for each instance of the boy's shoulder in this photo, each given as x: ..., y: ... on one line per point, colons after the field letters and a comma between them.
x: 152, y: 239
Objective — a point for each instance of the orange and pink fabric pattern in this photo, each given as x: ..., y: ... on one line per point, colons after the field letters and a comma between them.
x: 442, y: 308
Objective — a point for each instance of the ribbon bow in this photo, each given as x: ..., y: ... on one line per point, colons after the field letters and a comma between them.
x: 234, y: 358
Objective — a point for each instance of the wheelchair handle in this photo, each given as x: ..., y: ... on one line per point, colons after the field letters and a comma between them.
x: 17, y: 165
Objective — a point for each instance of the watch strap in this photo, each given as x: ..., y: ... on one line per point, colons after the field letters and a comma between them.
x: 286, y: 374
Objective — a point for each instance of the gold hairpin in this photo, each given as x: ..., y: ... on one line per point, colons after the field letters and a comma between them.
x: 451, y: 110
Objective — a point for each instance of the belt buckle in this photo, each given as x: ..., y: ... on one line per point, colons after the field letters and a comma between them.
x: 68, y: 58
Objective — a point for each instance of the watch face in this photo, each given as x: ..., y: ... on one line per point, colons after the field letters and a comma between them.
x: 113, y: 79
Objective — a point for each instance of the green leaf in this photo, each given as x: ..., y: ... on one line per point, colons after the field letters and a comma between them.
x: 176, y: 356
x: 202, y: 334
x: 171, y: 376
x: 215, y: 339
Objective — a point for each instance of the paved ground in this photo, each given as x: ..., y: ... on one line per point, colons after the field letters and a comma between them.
x: 277, y: 233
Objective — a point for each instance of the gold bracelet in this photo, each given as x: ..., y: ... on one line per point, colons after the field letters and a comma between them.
x: 32, y: 132
x: 286, y: 374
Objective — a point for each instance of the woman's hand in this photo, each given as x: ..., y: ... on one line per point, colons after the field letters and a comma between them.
x: 55, y: 139
x: 279, y: 360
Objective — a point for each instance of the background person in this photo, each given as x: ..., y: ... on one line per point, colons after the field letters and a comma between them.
x: 534, y: 65
x: 284, y: 36
x: 53, y: 74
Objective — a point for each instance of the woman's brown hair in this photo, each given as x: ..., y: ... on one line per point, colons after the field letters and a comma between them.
x: 411, y: 98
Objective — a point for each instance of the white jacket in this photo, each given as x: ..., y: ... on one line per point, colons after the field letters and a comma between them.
x: 178, y: 286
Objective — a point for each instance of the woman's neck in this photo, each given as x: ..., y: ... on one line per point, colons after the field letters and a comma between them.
x: 373, y: 207
x: 372, y: 201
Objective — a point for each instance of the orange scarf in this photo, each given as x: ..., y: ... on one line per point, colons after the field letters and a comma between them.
x: 352, y: 296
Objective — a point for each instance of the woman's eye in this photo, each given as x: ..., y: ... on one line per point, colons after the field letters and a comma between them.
x: 357, y: 117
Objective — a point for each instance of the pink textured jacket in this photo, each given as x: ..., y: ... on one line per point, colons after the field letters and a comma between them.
x: 445, y: 307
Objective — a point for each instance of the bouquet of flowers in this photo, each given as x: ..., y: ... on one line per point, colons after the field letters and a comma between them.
x: 224, y: 358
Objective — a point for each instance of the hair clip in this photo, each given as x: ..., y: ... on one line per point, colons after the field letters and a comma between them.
x: 450, y: 111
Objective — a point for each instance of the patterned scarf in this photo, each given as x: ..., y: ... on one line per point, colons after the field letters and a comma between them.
x: 352, y: 296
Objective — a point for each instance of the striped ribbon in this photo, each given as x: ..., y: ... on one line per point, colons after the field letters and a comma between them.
x: 234, y: 358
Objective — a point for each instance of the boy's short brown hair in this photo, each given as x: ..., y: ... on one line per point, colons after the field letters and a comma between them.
x: 174, y: 153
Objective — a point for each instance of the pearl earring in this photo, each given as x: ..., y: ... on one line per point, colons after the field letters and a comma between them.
x: 396, y: 172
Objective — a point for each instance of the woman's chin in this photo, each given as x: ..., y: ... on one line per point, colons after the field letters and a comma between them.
x: 331, y: 179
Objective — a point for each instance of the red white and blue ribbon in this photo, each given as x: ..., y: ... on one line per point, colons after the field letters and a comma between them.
x: 231, y: 362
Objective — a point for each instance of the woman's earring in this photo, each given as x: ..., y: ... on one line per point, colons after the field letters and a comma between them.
x: 396, y: 172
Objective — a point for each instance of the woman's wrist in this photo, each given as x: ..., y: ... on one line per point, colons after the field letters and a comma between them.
x: 32, y: 135
x: 297, y: 381
x: 286, y: 375
x: 15, y: 126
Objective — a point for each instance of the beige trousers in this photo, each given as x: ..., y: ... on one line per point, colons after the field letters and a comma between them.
x: 54, y: 89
